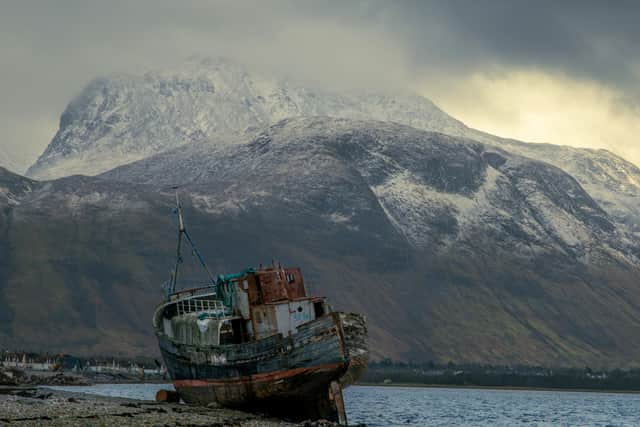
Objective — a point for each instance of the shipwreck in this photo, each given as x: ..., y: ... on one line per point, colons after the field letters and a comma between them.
x: 256, y: 341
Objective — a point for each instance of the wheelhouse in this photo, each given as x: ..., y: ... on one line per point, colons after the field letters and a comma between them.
x: 243, y: 307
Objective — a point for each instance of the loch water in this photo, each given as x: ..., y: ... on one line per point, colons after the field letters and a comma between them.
x: 418, y: 406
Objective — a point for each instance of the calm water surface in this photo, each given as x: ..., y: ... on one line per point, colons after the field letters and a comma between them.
x: 412, y: 406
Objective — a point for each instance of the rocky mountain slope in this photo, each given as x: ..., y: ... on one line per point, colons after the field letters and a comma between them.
x: 122, y: 118
x: 455, y: 249
x: 459, y: 245
x: 416, y: 176
x: 611, y: 180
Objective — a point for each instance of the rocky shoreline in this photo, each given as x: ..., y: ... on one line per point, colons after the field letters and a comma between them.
x: 25, y: 400
x: 21, y: 378
x: 40, y: 406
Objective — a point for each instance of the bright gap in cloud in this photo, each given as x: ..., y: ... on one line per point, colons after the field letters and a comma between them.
x: 541, y: 107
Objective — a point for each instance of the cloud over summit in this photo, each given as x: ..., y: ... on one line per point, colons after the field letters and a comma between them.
x: 50, y: 50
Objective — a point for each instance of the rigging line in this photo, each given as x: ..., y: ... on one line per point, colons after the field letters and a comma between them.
x: 182, y: 230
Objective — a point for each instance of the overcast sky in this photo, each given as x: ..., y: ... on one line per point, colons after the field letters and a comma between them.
x: 565, y: 72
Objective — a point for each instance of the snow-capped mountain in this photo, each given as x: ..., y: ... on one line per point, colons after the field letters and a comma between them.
x: 434, y: 188
x: 455, y: 249
x: 495, y: 250
x: 122, y: 118
x: 611, y: 180
x: 13, y: 187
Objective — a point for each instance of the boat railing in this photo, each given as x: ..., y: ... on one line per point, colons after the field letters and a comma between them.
x: 194, y: 305
x: 193, y: 292
x: 188, y: 287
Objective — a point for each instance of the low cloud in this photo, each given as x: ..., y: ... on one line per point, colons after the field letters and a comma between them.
x: 507, y: 54
x: 544, y: 107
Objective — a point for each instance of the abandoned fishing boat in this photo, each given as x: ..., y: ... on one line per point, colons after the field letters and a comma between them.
x: 256, y: 341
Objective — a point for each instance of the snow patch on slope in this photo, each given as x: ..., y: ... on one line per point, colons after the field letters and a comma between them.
x: 122, y: 118
x: 609, y: 179
x: 413, y: 207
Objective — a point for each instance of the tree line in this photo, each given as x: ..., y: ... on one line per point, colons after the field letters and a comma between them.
x: 450, y: 374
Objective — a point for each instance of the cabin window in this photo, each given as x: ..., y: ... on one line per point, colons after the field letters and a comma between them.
x: 232, y: 332
x: 318, y: 309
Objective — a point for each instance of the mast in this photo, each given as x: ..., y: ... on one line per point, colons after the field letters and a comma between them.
x: 182, y: 231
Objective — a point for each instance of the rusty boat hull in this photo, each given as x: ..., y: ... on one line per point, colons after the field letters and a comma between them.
x: 255, y: 340
x: 288, y: 376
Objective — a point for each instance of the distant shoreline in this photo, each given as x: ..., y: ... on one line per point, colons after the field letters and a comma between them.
x: 410, y: 385
x: 514, y: 388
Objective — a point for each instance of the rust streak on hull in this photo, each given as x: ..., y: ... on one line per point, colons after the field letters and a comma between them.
x: 255, y: 379
x: 256, y: 342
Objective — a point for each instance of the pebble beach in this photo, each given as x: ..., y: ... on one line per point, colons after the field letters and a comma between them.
x: 40, y: 406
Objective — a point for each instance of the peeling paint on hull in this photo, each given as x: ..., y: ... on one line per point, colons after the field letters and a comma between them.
x: 300, y: 393
x: 284, y: 376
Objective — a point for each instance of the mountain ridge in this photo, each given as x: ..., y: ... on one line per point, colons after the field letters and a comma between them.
x: 126, y: 118
x: 121, y: 119
x: 471, y: 247
x: 456, y: 250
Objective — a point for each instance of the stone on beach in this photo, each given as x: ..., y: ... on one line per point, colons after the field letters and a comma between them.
x: 46, y: 407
